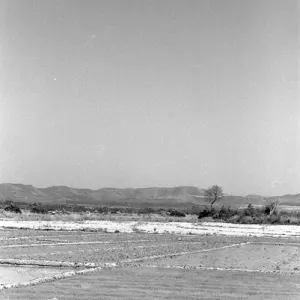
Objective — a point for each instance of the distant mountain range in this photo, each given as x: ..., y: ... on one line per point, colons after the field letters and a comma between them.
x: 153, y: 196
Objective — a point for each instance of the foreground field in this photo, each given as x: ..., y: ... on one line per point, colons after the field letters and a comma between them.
x: 46, y: 265
x: 149, y: 283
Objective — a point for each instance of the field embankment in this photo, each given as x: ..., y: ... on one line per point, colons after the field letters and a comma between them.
x: 205, y: 228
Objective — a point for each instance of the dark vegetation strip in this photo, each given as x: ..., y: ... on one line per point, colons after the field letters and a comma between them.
x: 268, y: 214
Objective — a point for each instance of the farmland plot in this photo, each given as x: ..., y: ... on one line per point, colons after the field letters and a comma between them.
x: 105, y: 252
x: 147, y: 283
x: 257, y: 257
x: 82, y: 265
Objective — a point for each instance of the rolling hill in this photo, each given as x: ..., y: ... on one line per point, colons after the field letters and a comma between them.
x: 180, y: 196
x: 157, y: 196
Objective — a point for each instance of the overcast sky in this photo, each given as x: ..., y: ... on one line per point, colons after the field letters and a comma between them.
x: 151, y: 93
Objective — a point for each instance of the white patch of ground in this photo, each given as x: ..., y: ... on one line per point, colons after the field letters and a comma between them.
x: 159, y: 227
x: 27, y: 280
x: 14, y: 275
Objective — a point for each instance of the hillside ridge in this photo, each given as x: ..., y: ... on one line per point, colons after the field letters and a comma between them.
x: 151, y: 196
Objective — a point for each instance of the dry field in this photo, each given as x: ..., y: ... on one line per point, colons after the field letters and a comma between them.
x: 198, y: 228
x: 44, y: 265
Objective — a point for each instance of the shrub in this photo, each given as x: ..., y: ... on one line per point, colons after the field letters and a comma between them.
x: 207, y: 212
x: 250, y: 210
x: 114, y: 210
x: 102, y: 210
x: 12, y: 207
x: 273, y: 219
x: 176, y: 213
x: 234, y: 219
x: 225, y: 213
x: 293, y: 220
x: 246, y: 220
x: 258, y: 219
x: 38, y: 208
x: 147, y: 210
x: 284, y: 219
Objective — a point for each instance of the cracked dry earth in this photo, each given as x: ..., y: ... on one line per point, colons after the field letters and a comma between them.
x: 147, y: 266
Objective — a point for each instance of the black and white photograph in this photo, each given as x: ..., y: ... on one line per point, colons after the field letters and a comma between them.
x: 149, y: 149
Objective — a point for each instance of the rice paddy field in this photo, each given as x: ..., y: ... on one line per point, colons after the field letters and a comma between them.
x: 57, y: 265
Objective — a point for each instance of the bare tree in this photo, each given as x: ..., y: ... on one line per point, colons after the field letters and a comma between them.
x: 271, y: 207
x: 213, y: 194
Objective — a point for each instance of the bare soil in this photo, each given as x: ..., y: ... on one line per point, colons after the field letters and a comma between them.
x: 114, y: 248
x: 171, y: 284
x: 259, y: 257
x: 151, y: 266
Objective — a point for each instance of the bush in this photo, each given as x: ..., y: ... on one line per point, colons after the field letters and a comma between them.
x: 234, y: 219
x: 258, y: 219
x: 206, y: 212
x: 225, y: 213
x: 102, y: 210
x: 176, y: 213
x: 114, y: 210
x: 147, y: 211
x: 284, y: 219
x: 273, y: 219
x: 293, y: 220
x: 246, y: 220
x: 37, y: 208
x: 250, y: 210
x: 12, y: 207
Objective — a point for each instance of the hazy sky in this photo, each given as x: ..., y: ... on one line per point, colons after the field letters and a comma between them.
x: 151, y: 93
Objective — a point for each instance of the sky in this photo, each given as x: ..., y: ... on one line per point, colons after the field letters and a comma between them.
x: 130, y: 93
